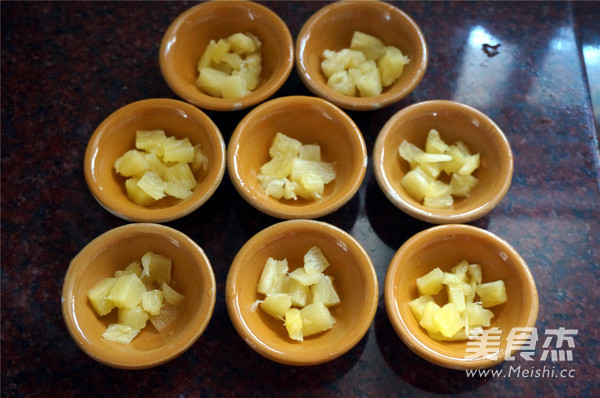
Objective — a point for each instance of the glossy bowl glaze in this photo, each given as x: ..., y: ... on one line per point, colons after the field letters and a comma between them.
x: 186, y: 39
x: 354, y: 280
x: 191, y: 274
x: 116, y: 135
x: 445, y: 246
x: 310, y: 120
x: 332, y: 27
x: 455, y: 122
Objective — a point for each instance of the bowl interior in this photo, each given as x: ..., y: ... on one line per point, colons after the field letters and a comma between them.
x: 191, y: 275
x: 354, y: 280
x: 323, y: 124
x: 187, y: 38
x: 444, y: 247
x: 332, y: 28
x: 455, y: 122
x: 116, y: 135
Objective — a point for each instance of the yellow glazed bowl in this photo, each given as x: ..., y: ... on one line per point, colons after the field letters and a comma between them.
x: 354, y: 280
x: 455, y: 122
x: 191, y: 274
x: 116, y: 135
x: 310, y: 120
x: 188, y: 36
x: 445, y: 246
x: 332, y: 27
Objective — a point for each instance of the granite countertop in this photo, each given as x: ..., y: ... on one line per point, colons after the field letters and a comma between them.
x: 68, y: 65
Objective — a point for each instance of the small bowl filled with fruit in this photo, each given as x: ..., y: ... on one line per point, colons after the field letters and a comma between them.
x: 155, y: 160
x: 361, y: 55
x: 138, y: 296
x: 443, y: 162
x: 297, y: 157
x: 226, y: 55
x: 302, y: 292
x: 460, y: 297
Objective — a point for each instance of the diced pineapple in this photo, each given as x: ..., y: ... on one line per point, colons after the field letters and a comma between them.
x: 284, y: 145
x: 279, y: 167
x: 299, y: 293
x: 316, y: 318
x: 152, y: 185
x: 440, y: 202
x: 273, y: 276
x: 324, y: 292
x: 417, y: 306
x: 310, y: 152
x: 241, y: 43
x: 426, y: 157
x: 304, y: 278
x: 475, y: 272
x: 476, y: 315
x: 220, y: 48
x: 152, y: 301
x: 462, y: 185
x: 435, y: 144
x: 342, y: 83
x: 127, y: 291
x: 179, y: 181
x: 211, y: 80
x: 132, y: 163
x: 136, y: 194
x: 460, y: 335
x: 492, y: 293
x: 99, y: 296
x: 391, y: 65
x: 461, y: 271
x: 470, y: 165
x: 135, y: 267
x: 200, y: 160
x: 427, y: 321
x: 369, y: 82
x: 121, y: 334
x: 276, y: 305
x: 371, y: 46
x: 178, y: 150
x: 156, y: 164
x: 315, y: 261
x: 156, y: 268
x: 312, y: 174
x: 431, y: 283
x: 234, y: 87
x: 274, y: 187
x: 456, y: 296
x: 150, y: 140
x: 409, y: 152
x: 168, y: 314
x: 448, y: 320
x: 416, y: 183
x: 135, y: 318
x: 293, y: 324
x: 171, y: 295
x: 340, y: 61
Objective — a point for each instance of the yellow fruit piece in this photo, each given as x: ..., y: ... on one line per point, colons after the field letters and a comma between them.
x: 492, y: 293
x: 127, y: 291
x: 304, y: 278
x: 370, y: 46
x: 136, y: 194
x: 293, y: 324
x: 391, y: 65
x: 310, y: 152
x: 315, y: 261
x: 121, y: 334
x: 171, y: 296
x: 299, y: 293
x: 324, y: 292
x: 316, y: 318
x: 98, y: 296
x: 273, y: 276
x: 152, y: 185
x: 178, y: 150
x: 276, y: 305
x: 448, y: 320
x: 150, y: 141
x: 417, y: 306
x: 234, y: 86
x: 476, y: 315
x: 168, y: 314
x: 135, y: 318
x: 135, y: 267
x: 284, y: 145
x: 431, y: 283
x: 132, y: 164
x: 156, y: 268
x: 152, y: 301
x: 427, y: 320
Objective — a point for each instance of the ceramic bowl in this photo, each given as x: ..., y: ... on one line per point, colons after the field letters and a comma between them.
x: 354, y: 280
x: 310, y: 120
x: 188, y: 36
x: 191, y: 275
x: 455, y: 122
x: 116, y: 135
x: 332, y: 27
x: 445, y: 246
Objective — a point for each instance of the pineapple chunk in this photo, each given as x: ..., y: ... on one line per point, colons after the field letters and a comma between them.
x: 431, y: 283
x: 152, y: 301
x: 273, y: 276
x: 132, y: 163
x: 391, y: 65
x: 136, y: 194
x: 231, y: 67
x: 315, y: 261
x: 152, y: 185
x: 299, y: 293
x: 316, y: 318
x: 284, y: 145
x: 416, y: 182
x: 324, y: 292
x: 448, y: 320
x: 127, y: 291
x: 168, y: 314
x: 156, y: 268
x: 293, y: 324
x: 435, y: 144
x: 477, y: 315
x: 98, y: 296
x: 178, y: 150
x: 462, y: 185
x: 342, y: 83
x: 171, y: 295
x: 417, y: 306
x: 310, y: 152
x: 492, y: 293
x: 135, y: 318
x: 150, y: 141
x: 370, y: 46
x: 304, y: 278
x: 135, y: 267
x: 121, y: 334
x: 427, y: 321
x: 276, y: 305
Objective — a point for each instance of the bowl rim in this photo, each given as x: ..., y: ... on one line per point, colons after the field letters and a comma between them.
x: 356, y: 103
x: 209, y: 102
x: 143, y: 360
x: 402, y: 329
x: 437, y: 216
x: 312, y: 209
x: 254, y: 341
x: 179, y: 209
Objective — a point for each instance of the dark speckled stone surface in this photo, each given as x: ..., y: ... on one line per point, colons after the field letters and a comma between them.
x: 67, y: 65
